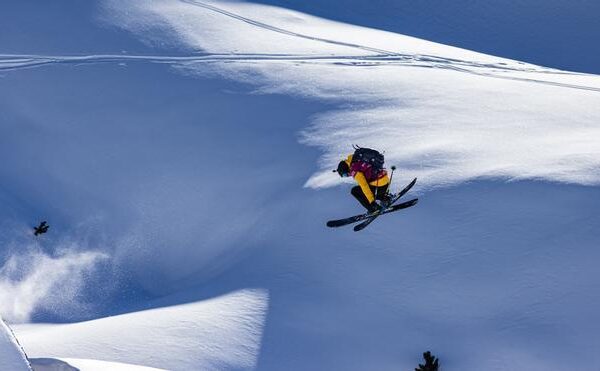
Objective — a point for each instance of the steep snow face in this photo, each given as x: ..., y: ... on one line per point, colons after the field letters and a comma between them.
x: 12, y: 356
x: 444, y: 114
x: 220, y: 333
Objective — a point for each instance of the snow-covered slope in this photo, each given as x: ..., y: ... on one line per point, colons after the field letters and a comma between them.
x: 556, y: 33
x: 74, y: 364
x: 515, y: 122
x: 12, y: 356
x: 201, y: 166
x: 221, y: 333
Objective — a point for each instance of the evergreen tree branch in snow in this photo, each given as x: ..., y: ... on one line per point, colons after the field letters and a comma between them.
x: 431, y: 363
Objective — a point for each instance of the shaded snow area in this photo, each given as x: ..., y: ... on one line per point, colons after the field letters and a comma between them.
x: 181, y: 152
x: 12, y: 356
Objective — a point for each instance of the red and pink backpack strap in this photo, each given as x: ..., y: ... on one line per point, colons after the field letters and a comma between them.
x: 367, y: 170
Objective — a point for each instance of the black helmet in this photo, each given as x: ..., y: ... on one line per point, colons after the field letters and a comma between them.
x: 343, y: 169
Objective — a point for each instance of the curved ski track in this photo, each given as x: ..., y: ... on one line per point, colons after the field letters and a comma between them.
x: 9, y: 62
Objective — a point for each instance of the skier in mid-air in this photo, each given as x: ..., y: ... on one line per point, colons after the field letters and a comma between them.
x: 365, y: 165
x: 41, y: 229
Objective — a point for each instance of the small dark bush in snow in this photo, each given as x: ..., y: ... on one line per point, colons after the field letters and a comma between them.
x: 431, y: 363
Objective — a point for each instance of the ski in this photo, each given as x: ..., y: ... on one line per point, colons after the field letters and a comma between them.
x: 403, y: 191
x: 361, y: 217
x: 358, y: 218
x: 391, y: 209
x: 346, y: 221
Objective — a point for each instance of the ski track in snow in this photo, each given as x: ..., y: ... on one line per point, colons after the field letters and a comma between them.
x: 474, y: 63
x: 387, y: 57
x: 11, y: 62
x: 381, y: 57
x: 284, y: 31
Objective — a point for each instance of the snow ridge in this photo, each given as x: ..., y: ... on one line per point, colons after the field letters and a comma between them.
x: 220, y: 333
x: 12, y: 356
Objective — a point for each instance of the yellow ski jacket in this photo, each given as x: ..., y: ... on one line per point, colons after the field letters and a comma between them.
x: 364, y: 184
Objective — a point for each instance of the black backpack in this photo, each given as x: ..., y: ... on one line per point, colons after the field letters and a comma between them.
x: 369, y: 156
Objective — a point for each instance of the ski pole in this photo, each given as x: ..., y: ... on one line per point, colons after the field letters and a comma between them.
x: 392, y: 174
x: 388, y: 194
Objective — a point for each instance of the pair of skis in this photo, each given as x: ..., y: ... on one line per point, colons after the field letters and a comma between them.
x: 368, y: 218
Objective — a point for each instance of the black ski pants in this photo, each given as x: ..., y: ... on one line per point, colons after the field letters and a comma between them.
x: 379, y: 192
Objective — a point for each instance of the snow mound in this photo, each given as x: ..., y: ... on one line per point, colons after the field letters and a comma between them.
x: 220, y: 333
x: 12, y: 356
x: 73, y: 364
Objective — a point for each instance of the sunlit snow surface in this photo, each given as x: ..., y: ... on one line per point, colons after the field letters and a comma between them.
x: 446, y: 114
x: 75, y: 364
x: 221, y: 333
x: 181, y: 175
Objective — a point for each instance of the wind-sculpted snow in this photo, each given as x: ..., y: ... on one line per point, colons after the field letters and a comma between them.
x: 459, y: 116
x: 216, y: 334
